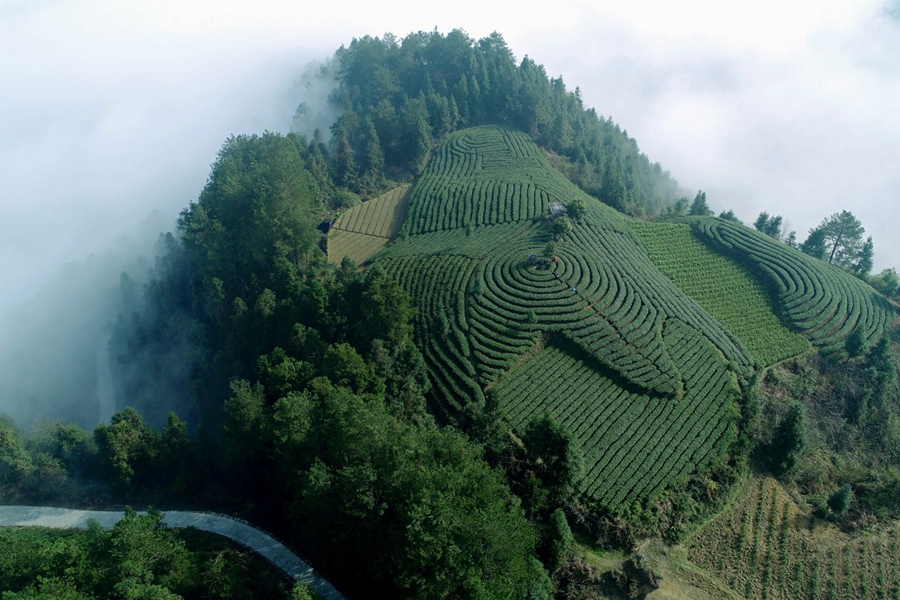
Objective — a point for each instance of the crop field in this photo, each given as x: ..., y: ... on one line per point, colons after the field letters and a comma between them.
x: 483, y: 306
x: 817, y: 299
x: 765, y: 549
x: 634, y: 445
x: 357, y: 246
x: 648, y: 379
x: 721, y: 286
x: 477, y: 179
x: 365, y: 229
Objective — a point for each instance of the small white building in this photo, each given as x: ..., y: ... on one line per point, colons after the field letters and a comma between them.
x: 557, y: 209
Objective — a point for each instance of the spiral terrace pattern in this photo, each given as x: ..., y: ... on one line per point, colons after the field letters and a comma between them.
x: 819, y: 300
x: 238, y: 531
x: 649, y: 382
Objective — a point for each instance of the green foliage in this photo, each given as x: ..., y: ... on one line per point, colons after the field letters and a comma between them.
x: 476, y: 297
x: 789, y: 440
x: 839, y: 501
x: 887, y: 282
x: 15, y: 462
x: 561, y: 225
x: 863, y: 263
x: 385, y: 311
x: 374, y: 488
x: 417, y: 90
x: 550, y: 249
x: 855, y: 343
x: 729, y: 216
x: 769, y: 225
x: 824, y: 303
x: 127, y: 446
x: 842, y: 238
x: 560, y: 538
x: 815, y: 244
x: 135, y: 458
x: 256, y: 210
x: 577, y: 208
x: 699, y: 207
x: 554, y: 458
x: 138, y: 558
x: 722, y: 287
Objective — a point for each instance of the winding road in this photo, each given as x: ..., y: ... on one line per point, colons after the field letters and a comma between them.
x: 234, y: 529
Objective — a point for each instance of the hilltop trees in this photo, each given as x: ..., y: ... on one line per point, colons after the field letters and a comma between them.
x: 839, y: 240
x: 699, y: 207
x: 416, y: 90
x: 769, y: 225
x: 842, y: 237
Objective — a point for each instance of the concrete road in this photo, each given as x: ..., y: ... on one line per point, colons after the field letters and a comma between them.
x: 242, y: 533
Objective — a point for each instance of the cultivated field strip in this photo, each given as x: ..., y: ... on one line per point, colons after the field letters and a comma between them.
x: 666, y: 367
x: 356, y: 246
x: 437, y: 286
x: 476, y: 179
x: 765, y: 549
x: 819, y: 300
x: 634, y: 445
x: 721, y: 286
x: 366, y: 229
x: 381, y: 217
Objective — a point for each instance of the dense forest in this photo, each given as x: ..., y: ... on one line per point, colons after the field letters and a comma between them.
x: 306, y: 390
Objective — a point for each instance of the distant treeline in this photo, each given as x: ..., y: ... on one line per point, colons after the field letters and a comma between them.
x: 398, y: 98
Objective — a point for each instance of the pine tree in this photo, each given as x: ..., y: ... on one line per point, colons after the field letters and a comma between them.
x: 789, y: 440
x: 866, y: 254
x: 699, y: 207
x: 815, y: 244
x: 839, y: 502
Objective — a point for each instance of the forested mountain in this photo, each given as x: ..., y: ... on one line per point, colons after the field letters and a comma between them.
x: 399, y: 97
x: 545, y: 359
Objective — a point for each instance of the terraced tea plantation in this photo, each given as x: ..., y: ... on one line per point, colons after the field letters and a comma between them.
x: 649, y: 329
x: 819, y: 300
x: 640, y: 444
x: 723, y: 287
x: 660, y: 400
x: 365, y: 229
x: 764, y: 549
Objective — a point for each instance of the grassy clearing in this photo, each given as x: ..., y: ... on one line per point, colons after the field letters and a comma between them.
x: 723, y: 287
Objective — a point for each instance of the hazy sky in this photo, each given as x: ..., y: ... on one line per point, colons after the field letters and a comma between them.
x: 111, y: 109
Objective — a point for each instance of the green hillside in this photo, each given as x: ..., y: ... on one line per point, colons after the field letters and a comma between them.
x: 464, y: 260
x: 720, y: 285
x: 821, y: 301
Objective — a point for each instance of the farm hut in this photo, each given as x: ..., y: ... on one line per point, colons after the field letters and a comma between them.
x: 557, y: 209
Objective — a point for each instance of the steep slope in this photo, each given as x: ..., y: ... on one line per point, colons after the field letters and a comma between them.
x: 475, y: 217
x: 819, y: 300
x: 365, y: 229
x: 766, y: 547
x: 728, y: 291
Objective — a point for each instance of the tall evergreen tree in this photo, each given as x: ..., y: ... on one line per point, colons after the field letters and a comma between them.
x: 699, y: 207
x: 863, y: 263
x: 815, y: 244
x: 843, y: 238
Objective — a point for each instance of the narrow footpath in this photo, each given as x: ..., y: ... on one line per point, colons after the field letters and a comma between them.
x: 238, y: 531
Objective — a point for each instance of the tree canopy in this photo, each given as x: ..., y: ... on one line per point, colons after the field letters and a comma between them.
x: 409, y: 93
